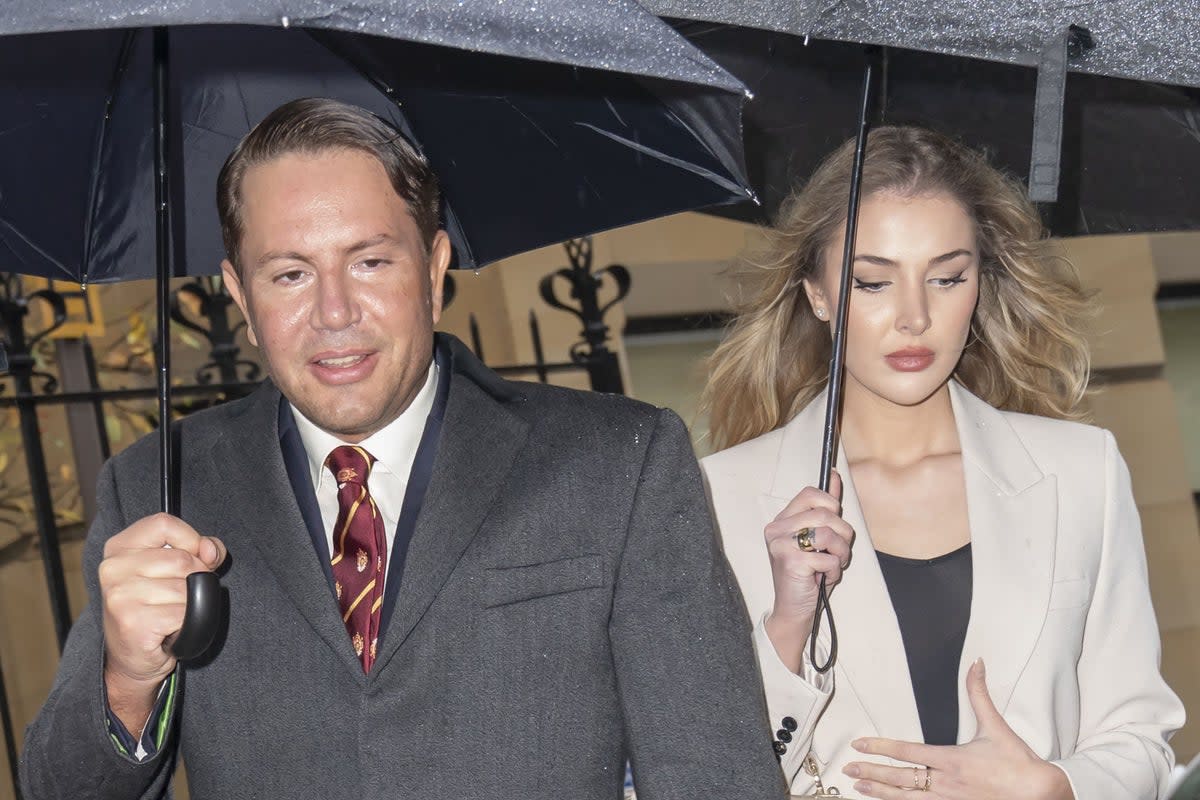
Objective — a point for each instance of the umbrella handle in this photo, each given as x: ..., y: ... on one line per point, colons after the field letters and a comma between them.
x: 201, y: 619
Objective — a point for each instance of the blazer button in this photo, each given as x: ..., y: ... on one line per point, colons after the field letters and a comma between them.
x: 783, y: 735
x: 790, y: 723
x: 780, y: 748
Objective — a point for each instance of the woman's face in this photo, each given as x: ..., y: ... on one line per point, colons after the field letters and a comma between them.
x: 916, y: 282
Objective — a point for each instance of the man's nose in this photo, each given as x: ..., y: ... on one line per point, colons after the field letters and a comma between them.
x: 912, y: 317
x: 336, y: 305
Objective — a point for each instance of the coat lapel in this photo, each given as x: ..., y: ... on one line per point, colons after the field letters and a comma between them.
x: 270, y: 519
x: 1013, y: 511
x: 871, y: 659
x: 480, y: 441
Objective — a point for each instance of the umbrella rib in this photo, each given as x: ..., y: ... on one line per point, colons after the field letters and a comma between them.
x: 101, y: 140
x: 8, y: 226
x: 707, y: 174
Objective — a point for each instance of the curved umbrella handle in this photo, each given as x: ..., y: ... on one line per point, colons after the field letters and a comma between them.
x: 200, y: 620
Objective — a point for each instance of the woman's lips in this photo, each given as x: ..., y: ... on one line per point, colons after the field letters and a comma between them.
x: 910, y: 359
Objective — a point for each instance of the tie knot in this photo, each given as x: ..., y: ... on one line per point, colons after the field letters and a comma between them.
x: 350, y: 464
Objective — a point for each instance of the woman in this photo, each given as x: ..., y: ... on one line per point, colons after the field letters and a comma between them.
x: 979, y: 527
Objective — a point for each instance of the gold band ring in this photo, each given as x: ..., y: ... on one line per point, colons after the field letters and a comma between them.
x: 916, y: 777
x: 804, y: 539
x: 928, y: 780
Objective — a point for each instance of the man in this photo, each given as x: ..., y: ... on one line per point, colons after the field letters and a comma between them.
x: 441, y: 584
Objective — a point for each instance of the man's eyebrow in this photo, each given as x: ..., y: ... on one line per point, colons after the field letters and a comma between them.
x: 374, y: 241
x: 292, y: 255
x: 280, y: 255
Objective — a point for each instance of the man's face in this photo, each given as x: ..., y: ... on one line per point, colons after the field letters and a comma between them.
x: 336, y: 288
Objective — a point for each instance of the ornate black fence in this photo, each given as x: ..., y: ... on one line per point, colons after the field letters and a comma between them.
x: 202, y: 308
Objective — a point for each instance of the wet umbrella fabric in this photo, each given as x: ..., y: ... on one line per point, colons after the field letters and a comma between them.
x: 1130, y: 155
x: 529, y: 153
x: 1143, y: 40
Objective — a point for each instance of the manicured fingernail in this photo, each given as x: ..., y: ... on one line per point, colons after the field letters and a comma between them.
x: 852, y: 770
x: 982, y: 667
x: 859, y: 744
x: 863, y: 786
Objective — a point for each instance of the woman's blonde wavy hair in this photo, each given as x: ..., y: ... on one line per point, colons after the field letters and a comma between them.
x: 1026, y: 351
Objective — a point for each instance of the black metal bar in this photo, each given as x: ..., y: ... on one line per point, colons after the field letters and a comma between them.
x: 539, y: 354
x: 109, y: 395
x: 837, y: 363
x: 43, y: 507
x: 97, y: 404
x: 166, y: 461
x: 476, y: 340
x: 10, y: 739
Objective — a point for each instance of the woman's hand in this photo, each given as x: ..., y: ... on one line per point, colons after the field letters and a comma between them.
x: 797, y: 572
x: 995, y: 765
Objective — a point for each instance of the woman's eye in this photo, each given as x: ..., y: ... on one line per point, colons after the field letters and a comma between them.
x: 868, y: 286
x: 948, y: 282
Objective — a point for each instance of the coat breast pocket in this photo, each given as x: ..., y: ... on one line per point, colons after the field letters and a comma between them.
x: 507, y: 585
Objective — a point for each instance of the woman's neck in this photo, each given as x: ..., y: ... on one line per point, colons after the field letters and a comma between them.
x: 875, y: 429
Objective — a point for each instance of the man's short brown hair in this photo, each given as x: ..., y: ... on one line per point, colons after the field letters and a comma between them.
x: 315, y: 125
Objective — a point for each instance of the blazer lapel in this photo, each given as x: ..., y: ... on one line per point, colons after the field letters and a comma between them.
x: 1013, y: 511
x: 269, y: 517
x: 480, y: 441
x: 871, y: 660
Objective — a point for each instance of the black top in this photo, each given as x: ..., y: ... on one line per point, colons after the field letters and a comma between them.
x: 932, y: 598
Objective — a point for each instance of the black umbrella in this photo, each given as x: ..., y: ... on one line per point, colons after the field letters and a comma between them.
x: 543, y: 121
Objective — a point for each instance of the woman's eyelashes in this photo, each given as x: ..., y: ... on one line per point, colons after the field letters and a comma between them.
x: 878, y: 286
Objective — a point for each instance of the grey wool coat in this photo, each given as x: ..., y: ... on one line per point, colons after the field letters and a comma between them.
x: 564, y: 606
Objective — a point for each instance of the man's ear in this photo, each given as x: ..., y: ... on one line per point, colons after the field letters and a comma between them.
x: 439, y: 261
x: 234, y: 284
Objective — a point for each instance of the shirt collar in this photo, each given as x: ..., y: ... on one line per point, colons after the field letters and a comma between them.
x: 394, y: 446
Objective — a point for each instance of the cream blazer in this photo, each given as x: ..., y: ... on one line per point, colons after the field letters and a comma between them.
x: 1060, y: 605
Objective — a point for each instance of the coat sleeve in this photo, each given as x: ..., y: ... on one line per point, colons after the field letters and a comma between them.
x: 1127, y: 711
x: 689, y: 688
x: 69, y: 752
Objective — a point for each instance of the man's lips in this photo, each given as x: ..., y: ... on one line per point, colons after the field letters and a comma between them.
x: 339, y: 360
x: 343, y: 366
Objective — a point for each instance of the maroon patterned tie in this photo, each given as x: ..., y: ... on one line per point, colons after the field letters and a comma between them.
x: 359, y: 550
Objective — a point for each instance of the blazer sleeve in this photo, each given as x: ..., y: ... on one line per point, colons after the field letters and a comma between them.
x: 686, y: 678
x: 794, y: 704
x: 1127, y: 711
x: 69, y: 751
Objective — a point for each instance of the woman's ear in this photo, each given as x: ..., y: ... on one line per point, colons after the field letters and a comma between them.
x: 816, y: 299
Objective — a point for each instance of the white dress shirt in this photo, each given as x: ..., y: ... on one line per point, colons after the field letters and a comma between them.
x: 394, y: 448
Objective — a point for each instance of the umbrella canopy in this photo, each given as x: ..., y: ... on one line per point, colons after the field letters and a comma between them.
x: 1145, y: 40
x: 557, y: 122
x: 544, y: 121
x: 1130, y: 150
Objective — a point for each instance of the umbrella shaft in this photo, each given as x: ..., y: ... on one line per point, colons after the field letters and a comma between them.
x: 167, y: 497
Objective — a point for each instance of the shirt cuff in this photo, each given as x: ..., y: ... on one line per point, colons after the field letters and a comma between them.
x: 154, y: 732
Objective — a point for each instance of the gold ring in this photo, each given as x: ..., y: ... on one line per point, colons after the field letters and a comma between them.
x: 916, y: 777
x: 804, y: 539
x: 928, y: 780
